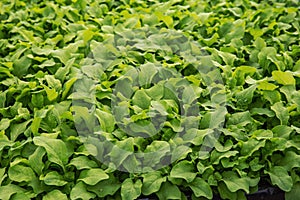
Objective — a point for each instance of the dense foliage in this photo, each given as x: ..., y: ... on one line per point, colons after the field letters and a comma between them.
x: 203, y: 97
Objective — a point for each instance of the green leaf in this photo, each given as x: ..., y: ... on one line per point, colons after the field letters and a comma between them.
x: 56, y: 149
x: 121, y: 150
x: 284, y: 78
x: 184, y: 170
x: 21, y: 173
x: 107, y: 121
x: 250, y: 146
x: 20, y: 196
x: 92, y: 176
x: 290, y: 160
x: 22, y: 65
x: 155, y: 152
x: 79, y: 191
x: 67, y: 87
x: 156, y: 92
x: 245, y: 96
x: 201, y: 188
x: 36, y: 160
x: 262, y: 134
x: 282, y: 131
x: 169, y: 191
x: 152, y: 182
x: 272, y: 96
x: 235, y: 183
x: 294, y: 193
x: 17, y: 129
x: 225, y: 193
x: 8, y: 190
x: 281, y: 112
x: 264, y: 85
x: 54, y: 195
x: 141, y: 99
x: 131, y: 190
x: 266, y: 56
x: 51, y: 93
x: 83, y: 162
x: 280, y: 177
x: 4, y: 123
x: 240, y: 118
x: 106, y: 187
x: 54, y: 178
x: 260, y: 43
x: 148, y: 71
x: 241, y: 72
x: 262, y: 111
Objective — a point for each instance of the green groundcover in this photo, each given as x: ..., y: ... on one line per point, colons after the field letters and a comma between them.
x: 124, y: 99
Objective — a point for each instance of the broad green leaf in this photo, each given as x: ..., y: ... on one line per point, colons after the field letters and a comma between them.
x: 225, y: 193
x: 228, y: 58
x: 266, y: 56
x: 62, y: 72
x: 262, y: 134
x: 214, y: 119
x: 264, y: 85
x: 106, y: 187
x: 20, y: 196
x: 107, y: 121
x: 184, y: 170
x: 156, y: 92
x: 22, y: 65
x: 79, y: 191
x: 17, y: 129
x: 290, y: 160
x: 54, y: 178
x: 281, y: 112
x: 241, y: 72
x: 21, y: 173
x: 180, y: 152
x: 294, y: 193
x: 54, y: 195
x: 245, y: 96
x: 3, y: 174
x: 252, y: 145
x: 169, y: 191
x: 131, y: 190
x: 240, y: 118
x: 152, y: 182
x: 37, y: 100
x: 262, y: 111
x: 201, y: 188
x: 284, y: 78
x: 288, y: 91
x: 260, y: 43
x: 83, y: 162
x: 235, y: 183
x: 148, y: 71
x: 141, y: 99
x: 272, y: 96
x: 282, y: 131
x: 8, y: 190
x: 52, y: 94
x: 36, y: 160
x: 155, y: 152
x: 56, y: 149
x: 121, y: 150
x: 4, y: 123
x: 67, y: 87
x: 217, y: 156
x: 280, y: 177
x: 92, y: 176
